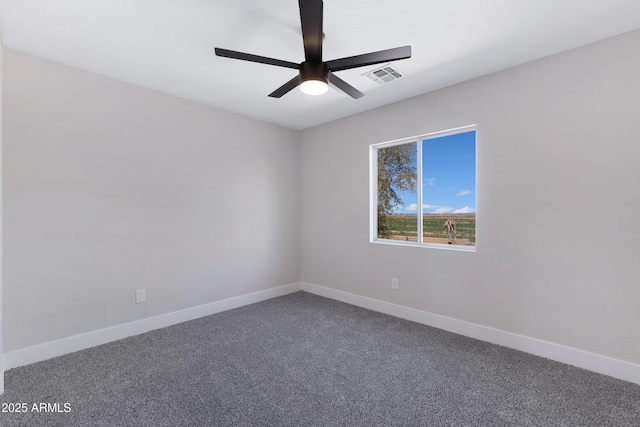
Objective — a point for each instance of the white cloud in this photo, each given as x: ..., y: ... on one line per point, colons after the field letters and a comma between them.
x: 463, y: 193
x: 464, y: 210
x: 436, y: 209
x: 432, y: 209
x: 431, y: 181
x: 445, y: 209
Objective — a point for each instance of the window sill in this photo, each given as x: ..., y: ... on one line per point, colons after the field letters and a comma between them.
x: 458, y: 248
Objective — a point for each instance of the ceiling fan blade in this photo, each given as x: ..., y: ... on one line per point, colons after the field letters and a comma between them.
x: 285, y: 88
x: 311, y: 20
x: 255, y: 58
x: 394, y: 54
x: 344, y: 86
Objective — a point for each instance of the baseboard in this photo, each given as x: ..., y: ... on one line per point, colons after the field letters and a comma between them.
x: 593, y: 362
x: 37, y: 353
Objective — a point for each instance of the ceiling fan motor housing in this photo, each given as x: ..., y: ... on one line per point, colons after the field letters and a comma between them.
x: 313, y: 70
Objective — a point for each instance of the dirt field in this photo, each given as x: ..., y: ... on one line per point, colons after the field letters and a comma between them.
x: 441, y: 240
x: 404, y: 227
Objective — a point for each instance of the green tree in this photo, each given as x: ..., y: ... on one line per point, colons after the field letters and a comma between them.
x: 396, y: 172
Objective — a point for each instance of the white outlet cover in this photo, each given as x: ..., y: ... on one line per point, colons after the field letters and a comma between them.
x: 141, y: 296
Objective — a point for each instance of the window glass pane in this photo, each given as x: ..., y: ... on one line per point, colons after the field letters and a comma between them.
x: 397, y: 194
x: 449, y: 189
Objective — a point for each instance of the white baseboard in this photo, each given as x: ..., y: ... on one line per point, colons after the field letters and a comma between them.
x: 37, y: 353
x: 593, y: 362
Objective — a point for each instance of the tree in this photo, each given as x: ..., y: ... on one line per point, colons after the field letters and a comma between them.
x: 396, y: 172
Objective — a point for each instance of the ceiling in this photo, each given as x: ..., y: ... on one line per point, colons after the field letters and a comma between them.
x: 168, y: 45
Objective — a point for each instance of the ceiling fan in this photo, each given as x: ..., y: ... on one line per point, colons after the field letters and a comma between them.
x: 314, y: 74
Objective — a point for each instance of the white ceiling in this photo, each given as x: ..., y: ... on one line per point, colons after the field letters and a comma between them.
x: 168, y: 45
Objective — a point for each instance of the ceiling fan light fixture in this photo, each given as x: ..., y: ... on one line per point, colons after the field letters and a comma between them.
x: 314, y: 86
x: 314, y: 78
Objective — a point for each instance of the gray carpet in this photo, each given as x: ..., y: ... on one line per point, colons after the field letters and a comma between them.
x: 304, y: 360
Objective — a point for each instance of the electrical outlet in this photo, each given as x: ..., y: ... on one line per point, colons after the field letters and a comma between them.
x: 394, y: 283
x: 141, y: 296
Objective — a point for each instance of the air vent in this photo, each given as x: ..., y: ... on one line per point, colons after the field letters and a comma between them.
x: 385, y: 74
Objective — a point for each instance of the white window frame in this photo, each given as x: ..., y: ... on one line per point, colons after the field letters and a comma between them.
x: 373, y: 189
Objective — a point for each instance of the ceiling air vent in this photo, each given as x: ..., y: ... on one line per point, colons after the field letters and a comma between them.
x: 385, y: 74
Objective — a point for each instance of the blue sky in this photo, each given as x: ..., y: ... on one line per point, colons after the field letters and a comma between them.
x: 449, y: 176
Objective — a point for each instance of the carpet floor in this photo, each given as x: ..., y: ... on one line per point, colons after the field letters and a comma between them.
x: 304, y: 360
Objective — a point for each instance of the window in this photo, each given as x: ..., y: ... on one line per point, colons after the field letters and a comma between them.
x: 423, y: 190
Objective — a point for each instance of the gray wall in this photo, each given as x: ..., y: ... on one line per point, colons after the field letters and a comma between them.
x: 111, y: 188
x: 558, y: 200
x: 1, y: 239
